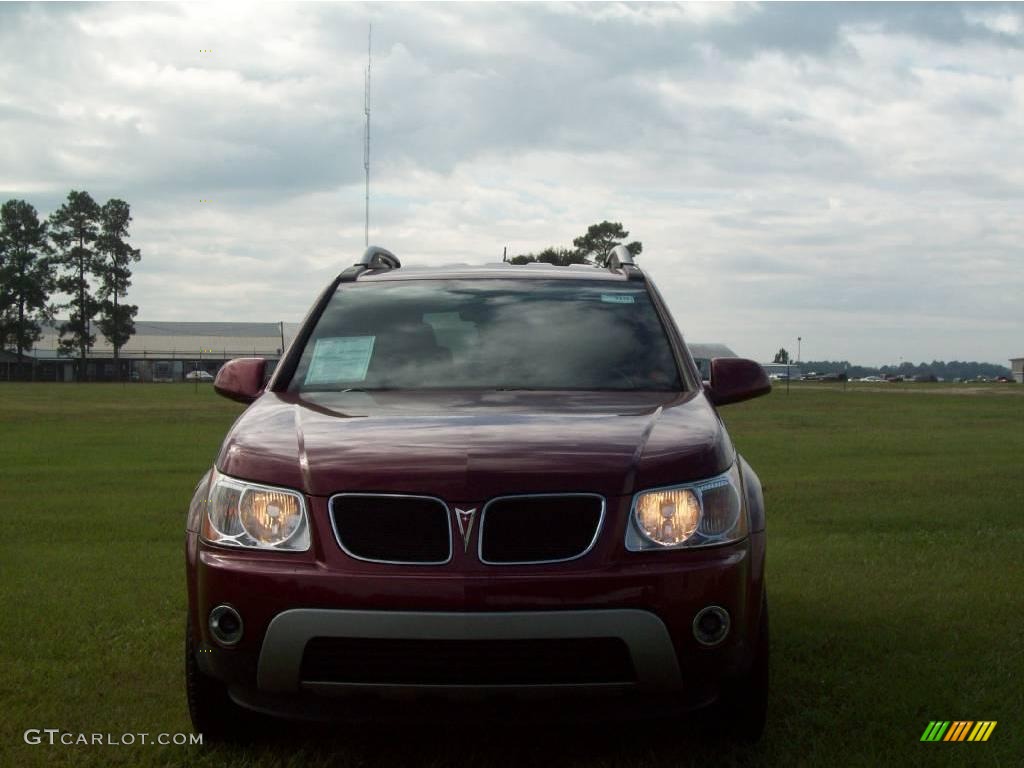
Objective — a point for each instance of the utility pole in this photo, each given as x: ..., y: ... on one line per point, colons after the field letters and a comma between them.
x: 366, y: 142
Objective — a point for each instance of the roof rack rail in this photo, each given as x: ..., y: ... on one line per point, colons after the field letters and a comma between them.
x: 373, y: 257
x: 621, y: 259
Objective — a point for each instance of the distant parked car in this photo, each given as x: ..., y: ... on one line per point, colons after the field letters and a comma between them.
x: 198, y: 376
x: 815, y: 376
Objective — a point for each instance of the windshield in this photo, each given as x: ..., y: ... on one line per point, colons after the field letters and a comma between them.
x: 488, y: 334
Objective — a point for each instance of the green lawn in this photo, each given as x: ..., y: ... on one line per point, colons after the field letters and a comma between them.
x: 896, y: 569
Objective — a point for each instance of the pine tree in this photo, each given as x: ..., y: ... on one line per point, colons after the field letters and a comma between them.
x: 26, y: 274
x: 74, y: 229
x: 115, y: 257
x: 600, y: 239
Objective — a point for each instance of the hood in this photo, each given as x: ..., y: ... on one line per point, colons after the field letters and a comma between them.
x: 471, y: 446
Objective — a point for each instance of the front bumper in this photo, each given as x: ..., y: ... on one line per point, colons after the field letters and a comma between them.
x: 643, y: 633
x: 648, y: 600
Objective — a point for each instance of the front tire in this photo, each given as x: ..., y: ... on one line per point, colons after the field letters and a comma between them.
x: 744, y: 704
x: 211, y: 709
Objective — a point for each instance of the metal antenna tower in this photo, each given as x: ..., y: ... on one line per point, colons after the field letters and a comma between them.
x: 366, y: 136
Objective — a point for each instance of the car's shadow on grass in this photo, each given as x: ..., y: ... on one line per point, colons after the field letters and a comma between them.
x: 417, y: 737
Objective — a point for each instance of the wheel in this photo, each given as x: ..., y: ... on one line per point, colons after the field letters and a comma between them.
x: 744, y: 704
x: 211, y: 709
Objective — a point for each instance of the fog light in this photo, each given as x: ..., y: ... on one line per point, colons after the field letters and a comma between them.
x: 711, y: 625
x: 225, y: 625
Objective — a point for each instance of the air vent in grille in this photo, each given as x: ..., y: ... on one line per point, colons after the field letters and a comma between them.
x: 392, y: 529
x: 534, y: 529
x: 380, y: 661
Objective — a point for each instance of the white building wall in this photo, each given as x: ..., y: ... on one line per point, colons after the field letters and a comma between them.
x: 1017, y: 366
x: 178, y: 345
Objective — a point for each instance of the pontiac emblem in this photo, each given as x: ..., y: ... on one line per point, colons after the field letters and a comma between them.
x: 465, y: 517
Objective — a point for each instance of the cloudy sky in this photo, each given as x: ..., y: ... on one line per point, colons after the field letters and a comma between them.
x: 851, y: 174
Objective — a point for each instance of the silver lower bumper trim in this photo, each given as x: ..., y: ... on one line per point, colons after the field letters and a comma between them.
x: 465, y: 692
x: 645, y: 635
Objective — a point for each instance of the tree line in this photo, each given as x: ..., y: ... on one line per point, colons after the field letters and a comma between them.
x: 593, y: 247
x: 78, y: 259
x: 954, y: 369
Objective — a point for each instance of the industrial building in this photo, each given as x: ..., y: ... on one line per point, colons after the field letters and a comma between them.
x: 168, y: 351
x: 158, y: 352
x: 1017, y: 366
x: 704, y: 353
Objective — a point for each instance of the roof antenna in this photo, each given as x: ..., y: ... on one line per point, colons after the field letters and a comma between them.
x: 366, y: 134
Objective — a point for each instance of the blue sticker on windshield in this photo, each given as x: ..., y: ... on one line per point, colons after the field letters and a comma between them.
x: 343, y: 358
x: 618, y: 298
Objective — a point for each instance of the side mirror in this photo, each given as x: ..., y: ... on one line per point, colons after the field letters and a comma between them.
x: 734, y: 379
x: 241, y: 379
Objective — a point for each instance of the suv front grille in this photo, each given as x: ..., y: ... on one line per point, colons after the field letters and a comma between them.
x: 538, y: 529
x: 388, y: 661
x: 391, y: 528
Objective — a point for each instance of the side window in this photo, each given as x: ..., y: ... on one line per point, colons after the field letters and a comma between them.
x: 704, y: 365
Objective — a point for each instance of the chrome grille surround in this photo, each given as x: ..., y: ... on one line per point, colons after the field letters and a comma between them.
x: 593, y: 540
x: 331, y: 514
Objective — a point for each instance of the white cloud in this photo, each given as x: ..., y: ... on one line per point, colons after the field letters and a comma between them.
x: 849, y: 173
x: 1002, y: 21
x: 657, y: 14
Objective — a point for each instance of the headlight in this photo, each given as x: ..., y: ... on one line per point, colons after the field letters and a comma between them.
x: 692, y: 515
x: 241, y: 514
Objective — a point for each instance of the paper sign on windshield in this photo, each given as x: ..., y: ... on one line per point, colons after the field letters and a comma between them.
x: 344, y: 358
x: 618, y: 298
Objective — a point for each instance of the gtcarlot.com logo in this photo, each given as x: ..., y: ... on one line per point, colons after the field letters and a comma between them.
x: 55, y: 737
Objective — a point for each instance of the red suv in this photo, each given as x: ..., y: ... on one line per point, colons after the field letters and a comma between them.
x: 478, y: 483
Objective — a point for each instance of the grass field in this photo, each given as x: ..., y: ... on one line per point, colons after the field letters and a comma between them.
x: 895, y: 570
